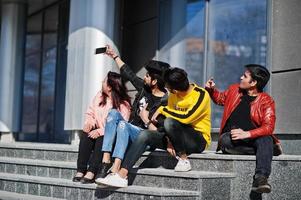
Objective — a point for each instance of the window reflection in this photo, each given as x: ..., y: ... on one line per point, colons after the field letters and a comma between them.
x: 39, y: 78
x: 237, y: 36
x: 30, y: 95
x: 182, y: 36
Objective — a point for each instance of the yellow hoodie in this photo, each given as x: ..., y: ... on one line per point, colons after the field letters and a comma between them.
x: 193, y: 109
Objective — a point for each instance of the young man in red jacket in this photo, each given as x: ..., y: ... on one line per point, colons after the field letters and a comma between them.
x: 248, y: 122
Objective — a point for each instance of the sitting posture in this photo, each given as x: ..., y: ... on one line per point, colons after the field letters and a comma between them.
x: 248, y: 122
x: 112, y: 96
x: 187, y: 127
x: 119, y: 134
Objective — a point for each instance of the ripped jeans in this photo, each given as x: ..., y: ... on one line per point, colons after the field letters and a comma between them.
x: 118, y: 132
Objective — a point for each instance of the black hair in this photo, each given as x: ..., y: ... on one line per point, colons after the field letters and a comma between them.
x: 176, y: 79
x: 160, y: 82
x: 260, y: 74
x: 156, y: 71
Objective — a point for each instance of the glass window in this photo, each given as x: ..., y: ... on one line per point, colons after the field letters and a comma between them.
x: 236, y: 33
x: 31, y: 93
x: 182, y: 36
x: 40, y: 75
x: 237, y: 36
x: 47, y: 99
x: 32, y: 74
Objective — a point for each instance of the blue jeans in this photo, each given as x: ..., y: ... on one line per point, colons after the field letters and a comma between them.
x: 119, y: 131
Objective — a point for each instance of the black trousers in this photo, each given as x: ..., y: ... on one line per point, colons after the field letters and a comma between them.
x: 183, y: 137
x: 89, y: 154
x: 262, y: 147
x: 146, y: 138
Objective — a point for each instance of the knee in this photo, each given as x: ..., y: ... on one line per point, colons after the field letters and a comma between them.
x: 143, y: 137
x: 113, y: 114
x: 264, y: 140
x: 225, y: 140
x: 121, y: 126
x: 170, y: 124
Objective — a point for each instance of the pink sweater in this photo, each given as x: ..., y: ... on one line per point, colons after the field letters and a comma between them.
x: 96, y: 115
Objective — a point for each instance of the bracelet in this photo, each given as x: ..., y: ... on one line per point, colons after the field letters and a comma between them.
x: 148, y: 123
x: 115, y: 57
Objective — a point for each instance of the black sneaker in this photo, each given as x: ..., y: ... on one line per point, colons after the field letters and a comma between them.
x: 255, y: 196
x: 104, y: 171
x: 85, y: 180
x: 260, y: 184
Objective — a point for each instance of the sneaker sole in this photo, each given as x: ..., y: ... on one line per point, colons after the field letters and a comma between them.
x: 262, y: 189
x: 98, y: 181
x: 101, y: 186
x: 103, y: 183
x: 117, y: 186
x: 176, y: 170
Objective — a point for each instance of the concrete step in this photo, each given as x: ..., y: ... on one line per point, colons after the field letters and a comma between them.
x: 152, y: 177
x: 41, y: 151
x: 284, y: 179
x: 15, y: 196
x: 66, y: 189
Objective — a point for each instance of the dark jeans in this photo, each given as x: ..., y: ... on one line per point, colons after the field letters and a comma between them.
x: 89, y: 151
x: 154, y: 139
x: 262, y: 147
x: 183, y: 137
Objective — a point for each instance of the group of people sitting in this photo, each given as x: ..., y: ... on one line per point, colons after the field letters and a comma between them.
x: 172, y: 114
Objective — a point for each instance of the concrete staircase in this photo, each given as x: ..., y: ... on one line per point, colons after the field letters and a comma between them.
x: 44, y: 171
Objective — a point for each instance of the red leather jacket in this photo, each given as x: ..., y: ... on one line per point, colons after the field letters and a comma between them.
x: 262, y: 110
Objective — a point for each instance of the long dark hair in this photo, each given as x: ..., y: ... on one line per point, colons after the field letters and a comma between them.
x: 119, y: 91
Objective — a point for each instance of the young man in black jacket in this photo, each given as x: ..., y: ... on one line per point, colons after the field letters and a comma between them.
x: 150, y: 95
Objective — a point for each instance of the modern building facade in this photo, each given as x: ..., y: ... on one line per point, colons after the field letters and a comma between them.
x: 49, y: 72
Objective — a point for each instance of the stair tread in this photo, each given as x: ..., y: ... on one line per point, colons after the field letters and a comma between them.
x: 205, y: 155
x: 38, y: 162
x: 16, y: 196
x: 40, y: 146
x: 135, y: 189
x: 147, y: 171
x: 212, y: 155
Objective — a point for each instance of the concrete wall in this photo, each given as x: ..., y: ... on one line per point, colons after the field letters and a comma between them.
x: 285, y: 62
x: 285, y: 59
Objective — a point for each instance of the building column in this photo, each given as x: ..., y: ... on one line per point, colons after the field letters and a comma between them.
x: 92, y: 24
x: 12, y: 42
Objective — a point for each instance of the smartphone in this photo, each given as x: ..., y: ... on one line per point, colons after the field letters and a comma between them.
x: 100, y: 50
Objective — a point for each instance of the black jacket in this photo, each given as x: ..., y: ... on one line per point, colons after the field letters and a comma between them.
x: 153, y: 103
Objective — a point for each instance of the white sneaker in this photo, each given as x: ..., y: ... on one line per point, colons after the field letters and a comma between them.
x: 183, y: 166
x: 114, y: 180
x: 98, y: 181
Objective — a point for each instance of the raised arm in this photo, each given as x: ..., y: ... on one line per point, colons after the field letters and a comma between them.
x: 125, y: 71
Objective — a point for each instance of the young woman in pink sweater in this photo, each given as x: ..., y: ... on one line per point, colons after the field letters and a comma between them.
x: 112, y: 96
